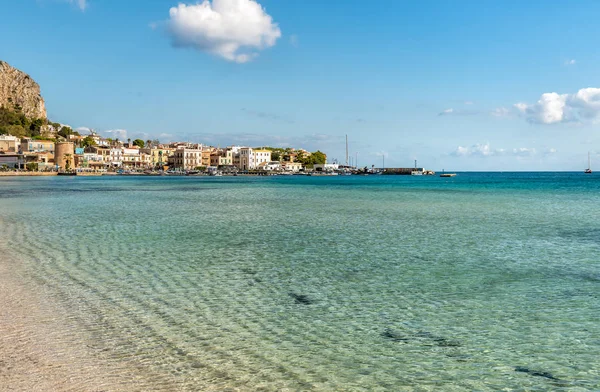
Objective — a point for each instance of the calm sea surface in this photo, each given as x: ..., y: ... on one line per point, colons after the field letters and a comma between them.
x: 480, y: 282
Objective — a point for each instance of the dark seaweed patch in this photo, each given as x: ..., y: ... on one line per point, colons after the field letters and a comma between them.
x: 443, y: 342
x: 394, y: 335
x: 302, y: 299
x: 536, y: 373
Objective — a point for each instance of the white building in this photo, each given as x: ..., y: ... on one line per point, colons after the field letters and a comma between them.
x: 116, y: 157
x: 250, y: 159
x: 133, y: 159
x: 271, y: 166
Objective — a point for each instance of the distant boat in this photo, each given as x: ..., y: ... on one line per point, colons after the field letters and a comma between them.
x: 589, y: 168
x: 447, y: 174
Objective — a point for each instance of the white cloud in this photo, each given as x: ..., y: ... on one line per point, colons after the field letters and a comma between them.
x: 120, y: 134
x: 523, y: 152
x: 459, y: 112
x: 232, y: 29
x: 84, y: 130
x: 549, y: 109
x: 500, y: 112
x: 486, y: 150
x: 482, y: 150
x: 554, y: 108
x: 570, y: 62
x: 81, y: 4
x: 586, y: 103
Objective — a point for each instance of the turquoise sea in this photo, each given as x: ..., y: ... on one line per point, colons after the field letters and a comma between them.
x: 482, y: 282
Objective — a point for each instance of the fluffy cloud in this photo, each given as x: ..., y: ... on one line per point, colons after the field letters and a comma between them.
x: 232, y: 29
x: 570, y: 62
x: 500, y: 112
x: 82, y: 4
x: 553, y: 108
x: 485, y: 150
x: 120, y: 134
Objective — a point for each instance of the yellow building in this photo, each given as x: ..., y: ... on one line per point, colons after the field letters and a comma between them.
x: 30, y: 145
x: 158, y: 156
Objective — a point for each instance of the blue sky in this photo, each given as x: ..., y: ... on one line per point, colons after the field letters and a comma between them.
x: 462, y: 85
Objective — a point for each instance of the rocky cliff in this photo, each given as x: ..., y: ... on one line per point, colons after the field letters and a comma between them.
x: 17, y: 89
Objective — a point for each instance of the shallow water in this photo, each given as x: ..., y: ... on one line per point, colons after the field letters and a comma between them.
x: 484, y: 281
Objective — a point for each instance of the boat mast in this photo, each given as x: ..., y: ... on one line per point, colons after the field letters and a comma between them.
x: 346, y: 150
x: 589, y: 162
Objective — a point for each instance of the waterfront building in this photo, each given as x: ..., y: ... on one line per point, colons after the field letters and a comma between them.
x: 131, y: 158
x: 30, y: 145
x: 293, y: 167
x: 250, y: 159
x: 116, y: 157
x: 205, y: 157
x: 12, y: 160
x: 159, y: 156
x: 221, y: 157
x: 186, y: 159
x: 98, y: 154
x: 92, y: 160
x: 271, y: 166
x: 9, y: 143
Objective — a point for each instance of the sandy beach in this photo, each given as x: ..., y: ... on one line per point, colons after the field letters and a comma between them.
x: 40, y: 352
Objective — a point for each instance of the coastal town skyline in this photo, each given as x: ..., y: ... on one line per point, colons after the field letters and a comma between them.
x: 518, y: 95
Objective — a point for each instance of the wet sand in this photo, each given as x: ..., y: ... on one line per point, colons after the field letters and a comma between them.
x: 40, y: 351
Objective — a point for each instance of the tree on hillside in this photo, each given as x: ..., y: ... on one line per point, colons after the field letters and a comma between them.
x: 88, y: 141
x: 318, y: 157
x: 65, y: 132
x: 36, y: 127
x: 139, y: 143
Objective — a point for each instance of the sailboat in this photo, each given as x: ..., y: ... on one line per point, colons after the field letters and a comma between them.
x: 589, y: 169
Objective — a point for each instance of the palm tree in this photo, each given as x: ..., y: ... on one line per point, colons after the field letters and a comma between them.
x: 68, y: 162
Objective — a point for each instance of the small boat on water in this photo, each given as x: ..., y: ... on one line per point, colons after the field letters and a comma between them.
x: 447, y: 174
x: 589, y: 168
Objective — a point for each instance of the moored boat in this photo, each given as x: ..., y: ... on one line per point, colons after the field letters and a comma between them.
x: 589, y: 168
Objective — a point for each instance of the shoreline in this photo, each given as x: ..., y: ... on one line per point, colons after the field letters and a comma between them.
x: 42, y: 347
